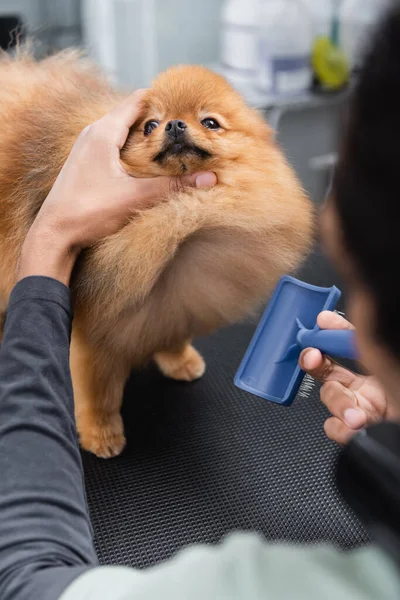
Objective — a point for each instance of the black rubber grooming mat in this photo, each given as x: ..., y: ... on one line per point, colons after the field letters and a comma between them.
x: 204, y: 459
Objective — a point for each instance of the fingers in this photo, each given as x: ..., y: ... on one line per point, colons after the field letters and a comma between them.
x: 331, y: 320
x: 323, y: 368
x: 113, y: 128
x: 149, y: 191
x: 127, y: 111
x: 198, y: 180
x: 347, y: 416
x: 125, y: 116
x: 342, y: 403
x: 338, y: 431
x: 315, y: 364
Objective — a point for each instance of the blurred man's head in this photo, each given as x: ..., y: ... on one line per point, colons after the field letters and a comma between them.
x: 361, y: 222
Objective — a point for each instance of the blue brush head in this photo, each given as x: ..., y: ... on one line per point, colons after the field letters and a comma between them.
x: 295, y: 349
x: 270, y: 367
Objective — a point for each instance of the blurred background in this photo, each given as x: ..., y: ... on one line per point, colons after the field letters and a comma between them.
x: 293, y: 59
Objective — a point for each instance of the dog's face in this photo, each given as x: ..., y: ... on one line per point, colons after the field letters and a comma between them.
x: 192, y: 120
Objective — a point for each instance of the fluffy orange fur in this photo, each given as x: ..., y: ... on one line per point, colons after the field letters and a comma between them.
x: 200, y: 260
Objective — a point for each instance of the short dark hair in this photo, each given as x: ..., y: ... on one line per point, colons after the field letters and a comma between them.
x: 366, y: 185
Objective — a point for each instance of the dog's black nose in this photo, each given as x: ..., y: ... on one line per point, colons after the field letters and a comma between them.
x: 175, y: 128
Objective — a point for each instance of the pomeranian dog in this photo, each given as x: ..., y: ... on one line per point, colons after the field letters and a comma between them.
x: 199, y: 260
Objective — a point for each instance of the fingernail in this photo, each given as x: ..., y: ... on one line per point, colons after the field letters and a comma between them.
x: 354, y: 418
x: 307, y: 360
x: 206, y: 180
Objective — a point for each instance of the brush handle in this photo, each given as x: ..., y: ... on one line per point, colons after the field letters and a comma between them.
x: 334, y: 342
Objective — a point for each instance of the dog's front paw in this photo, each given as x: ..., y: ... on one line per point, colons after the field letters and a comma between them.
x: 187, y: 365
x: 104, y: 439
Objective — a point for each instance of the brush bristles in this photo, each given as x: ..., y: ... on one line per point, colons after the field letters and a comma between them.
x: 306, y: 387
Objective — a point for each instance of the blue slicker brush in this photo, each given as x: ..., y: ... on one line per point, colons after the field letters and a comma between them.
x: 270, y: 367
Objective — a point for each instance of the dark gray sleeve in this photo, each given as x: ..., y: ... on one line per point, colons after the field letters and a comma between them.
x: 45, y: 532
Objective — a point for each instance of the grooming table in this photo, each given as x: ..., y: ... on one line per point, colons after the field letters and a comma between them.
x: 205, y: 459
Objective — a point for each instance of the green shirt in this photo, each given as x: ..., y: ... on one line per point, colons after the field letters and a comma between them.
x: 244, y: 567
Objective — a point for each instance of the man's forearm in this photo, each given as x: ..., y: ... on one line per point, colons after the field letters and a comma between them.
x: 44, y: 522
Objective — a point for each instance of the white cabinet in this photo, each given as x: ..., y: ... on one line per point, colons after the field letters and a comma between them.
x: 133, y: 40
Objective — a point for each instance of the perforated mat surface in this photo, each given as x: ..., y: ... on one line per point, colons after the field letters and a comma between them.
x: 205, y: 459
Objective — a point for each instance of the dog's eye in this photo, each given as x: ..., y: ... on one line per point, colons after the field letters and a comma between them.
x: 150, y: 126
x: 210, y: 123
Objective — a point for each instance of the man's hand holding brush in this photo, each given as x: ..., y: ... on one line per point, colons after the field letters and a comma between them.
x: 354, y: 401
